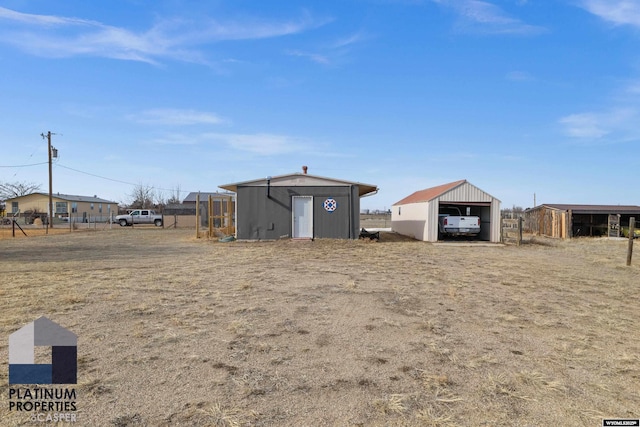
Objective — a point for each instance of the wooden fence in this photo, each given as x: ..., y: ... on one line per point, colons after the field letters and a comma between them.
x: 511, y: 230
x: 218, y: 214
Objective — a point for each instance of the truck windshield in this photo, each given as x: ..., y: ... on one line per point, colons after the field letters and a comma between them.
x: 451, y: 210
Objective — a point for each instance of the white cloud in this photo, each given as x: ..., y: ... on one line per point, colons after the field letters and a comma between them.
x: 174, y: 117
x: 584, y: 125
x: 27, y: 18
x: 617, y: 125
x: 619, y: 12
x: 176, y: 139
x: 350, y: 40
x: 483, y: 17
x: 618, y: 122
x: 54, y: 36
x: 331, y: 53
x: 314, y: 57
x: 262, y: 143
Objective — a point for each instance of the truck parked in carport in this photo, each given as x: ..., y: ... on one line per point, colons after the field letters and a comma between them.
x: 139, y: 216
x: 450, y: 224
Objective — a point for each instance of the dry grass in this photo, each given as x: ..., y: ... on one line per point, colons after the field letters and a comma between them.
x: 178, y: 331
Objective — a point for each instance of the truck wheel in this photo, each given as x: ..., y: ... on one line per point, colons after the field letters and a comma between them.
x: 158, y: 222
x: 123, y: 223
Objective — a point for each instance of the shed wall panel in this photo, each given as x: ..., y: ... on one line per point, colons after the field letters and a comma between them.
x: 431, y: 227
x: 495, y: 221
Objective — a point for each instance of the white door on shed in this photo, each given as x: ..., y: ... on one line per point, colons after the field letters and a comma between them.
x: 302, y: 217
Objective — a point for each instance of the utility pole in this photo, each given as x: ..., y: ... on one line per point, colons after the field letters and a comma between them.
x: 52, y: 153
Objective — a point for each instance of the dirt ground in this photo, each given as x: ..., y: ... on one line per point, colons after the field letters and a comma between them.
x: 178, y: 331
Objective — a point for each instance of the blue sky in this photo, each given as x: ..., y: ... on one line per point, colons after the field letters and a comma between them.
x: 516, y: 96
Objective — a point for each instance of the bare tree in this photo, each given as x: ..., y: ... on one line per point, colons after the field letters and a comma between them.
x: 142, y: 197
x: 174, y: 197
x: 513, y: 212
x: 9, y: 190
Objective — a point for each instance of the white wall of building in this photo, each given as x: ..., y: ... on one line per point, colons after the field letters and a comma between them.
x: 410, y: 220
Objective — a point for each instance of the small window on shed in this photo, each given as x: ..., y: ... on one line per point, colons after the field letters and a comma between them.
x: 399, y: 210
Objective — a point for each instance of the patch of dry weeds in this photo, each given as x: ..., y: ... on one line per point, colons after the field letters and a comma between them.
x: 397, y: 332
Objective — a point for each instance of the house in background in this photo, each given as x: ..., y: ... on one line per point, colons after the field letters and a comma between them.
x: 298, y: 205
x: 565, y: 221
x: 78, y: 208
x: 417, y: 214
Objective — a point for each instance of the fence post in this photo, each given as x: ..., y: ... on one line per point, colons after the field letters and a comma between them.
x: 632, y: 223
x: 211, y: 216
x: 198, y: 216
x: 519, y: 230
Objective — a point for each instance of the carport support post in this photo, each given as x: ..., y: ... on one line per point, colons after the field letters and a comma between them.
x: 632, y: 224
x: 570, y: 223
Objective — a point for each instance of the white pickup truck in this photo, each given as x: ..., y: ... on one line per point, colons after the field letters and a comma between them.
x: 458, y: 225
x: 139, y: 216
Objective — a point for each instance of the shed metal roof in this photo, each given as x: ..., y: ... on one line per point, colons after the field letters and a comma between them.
x: 592, y: 209
x: 300, y: 180
x: 429, y: 194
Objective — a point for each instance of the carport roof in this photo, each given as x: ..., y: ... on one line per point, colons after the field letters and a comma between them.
x: 429, y: 193
x: 592, y: 209
x: 301, y: 179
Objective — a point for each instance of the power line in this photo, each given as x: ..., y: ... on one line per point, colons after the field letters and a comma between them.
x: 109, y: 179
x: 57, y: 164
x: 23, y: 166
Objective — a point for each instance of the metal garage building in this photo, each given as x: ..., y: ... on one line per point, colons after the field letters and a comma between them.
x: 417, y: 215
x: 298, y: 206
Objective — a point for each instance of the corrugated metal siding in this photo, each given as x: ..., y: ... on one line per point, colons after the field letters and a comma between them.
x: 431, y: 234
x: 465, y: 193
x: 262, y: 217
x: 333, y: 225
x: 495, y: 221
x: 355, y: 211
